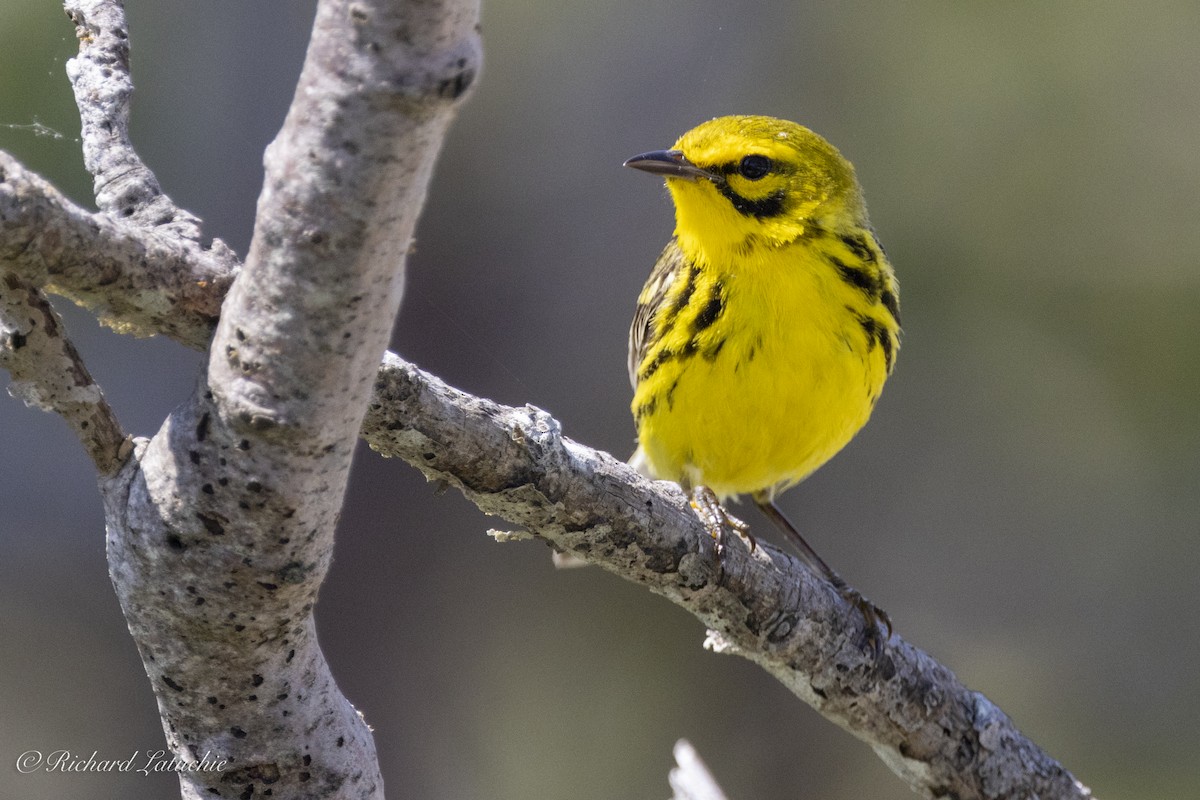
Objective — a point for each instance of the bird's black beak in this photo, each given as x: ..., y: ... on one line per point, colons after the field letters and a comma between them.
x: 670, y: 163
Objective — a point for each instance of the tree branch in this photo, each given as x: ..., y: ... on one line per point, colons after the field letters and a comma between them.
x: 942, y: 738
x: 220, y: 530
x: 691, y: 780
x: 141, y: 281
x: 213, y: 540
x: 49, y: 374
x: 124, y: 186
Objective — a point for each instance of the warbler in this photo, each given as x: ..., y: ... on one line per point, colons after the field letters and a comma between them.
x: 766, y: 330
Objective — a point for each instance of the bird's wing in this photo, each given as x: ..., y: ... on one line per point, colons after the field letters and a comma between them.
x: 642, y: 334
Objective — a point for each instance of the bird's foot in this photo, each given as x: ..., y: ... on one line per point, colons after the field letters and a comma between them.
x: 717, y: 520
x: 878, y: 628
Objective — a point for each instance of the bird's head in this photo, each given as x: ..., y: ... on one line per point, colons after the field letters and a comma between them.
x: 745, y: 181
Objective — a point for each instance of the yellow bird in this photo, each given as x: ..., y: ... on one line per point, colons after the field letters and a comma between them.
x: 765, y: 332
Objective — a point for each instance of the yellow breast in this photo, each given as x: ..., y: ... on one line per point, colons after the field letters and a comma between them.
x: 767, y: 368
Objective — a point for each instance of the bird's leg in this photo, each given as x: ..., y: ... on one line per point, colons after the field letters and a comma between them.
x: 879, y: 625
x: 716, y: 519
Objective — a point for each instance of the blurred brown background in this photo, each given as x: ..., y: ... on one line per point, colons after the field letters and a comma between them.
x: 1024, y: 502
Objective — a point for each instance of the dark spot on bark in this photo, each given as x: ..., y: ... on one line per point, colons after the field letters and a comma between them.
x: 452, y: 88
x: 211, y: 525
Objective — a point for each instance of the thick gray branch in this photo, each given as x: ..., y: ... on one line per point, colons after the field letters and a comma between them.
x: 220, y: 530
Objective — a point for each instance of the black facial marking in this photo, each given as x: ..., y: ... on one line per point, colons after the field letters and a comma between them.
x: 762, y: 208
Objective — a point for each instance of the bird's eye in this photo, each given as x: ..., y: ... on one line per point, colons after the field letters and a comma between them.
x: 754, y: 167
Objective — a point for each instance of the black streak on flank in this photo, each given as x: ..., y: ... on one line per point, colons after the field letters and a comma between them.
x: 685, y: 296
x: 671, y: 395
x: 711, y: 311
x: 711, y: 353
x: 857, y: 277
x: 660, y: 358
x: 857, y: 244
x: 202, y: 428
x: 889, y: 355
x: 888, y: 298
x: 877, y: 334
x: 763, y: 208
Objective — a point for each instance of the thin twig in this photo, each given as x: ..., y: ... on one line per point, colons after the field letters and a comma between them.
x: 48, y: 373
x: 691, y: 780
x: 125, y: 188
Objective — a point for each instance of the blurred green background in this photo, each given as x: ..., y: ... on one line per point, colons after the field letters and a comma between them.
x: 1025, y: 502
